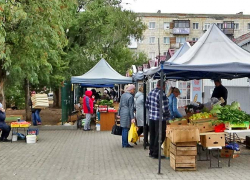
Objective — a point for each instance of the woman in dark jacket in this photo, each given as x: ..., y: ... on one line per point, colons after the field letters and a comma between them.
x: 3, y: 126
x: 126, y: 113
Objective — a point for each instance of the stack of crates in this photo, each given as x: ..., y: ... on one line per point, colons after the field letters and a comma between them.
x: 183, y: 156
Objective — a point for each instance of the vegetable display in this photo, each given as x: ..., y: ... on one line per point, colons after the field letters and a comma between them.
x: 204, y: 115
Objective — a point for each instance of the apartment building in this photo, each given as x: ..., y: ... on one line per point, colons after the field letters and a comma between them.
x: 172, y: 30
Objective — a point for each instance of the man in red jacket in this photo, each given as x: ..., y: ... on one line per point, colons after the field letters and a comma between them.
x: 87, y: 109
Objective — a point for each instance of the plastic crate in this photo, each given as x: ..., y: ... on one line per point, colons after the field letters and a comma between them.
x: 14, y: 125
x: 25, y: 125
x: 33, y: 131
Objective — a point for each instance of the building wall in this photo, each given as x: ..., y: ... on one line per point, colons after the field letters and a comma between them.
x: 242, y: 82
x: 160, y: 32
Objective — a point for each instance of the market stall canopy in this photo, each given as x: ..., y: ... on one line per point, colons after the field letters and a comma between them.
x: 97, y: 85
x: 213, y: 56
x: 184, y: 48
x: 101, y: 73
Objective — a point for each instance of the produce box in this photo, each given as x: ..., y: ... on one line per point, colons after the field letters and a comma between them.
x: 226, y: 153
x: 166, y: 147
x: 183, y: 150
x: 204, y: 125
x: 244, y: 125
x: 14, y: 124
x: 183, y: 133
x: 179, y: 122
x: 24, y: 124
x: 213, y: 140
x: 183, y: 162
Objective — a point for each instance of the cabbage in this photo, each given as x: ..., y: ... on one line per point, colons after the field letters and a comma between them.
x: 217, y: 106
x: 235, y: 105
x: 215, y: 111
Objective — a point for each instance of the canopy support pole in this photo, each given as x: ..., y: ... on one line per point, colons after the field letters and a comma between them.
x: 160, y: 119
x: 145, y: 129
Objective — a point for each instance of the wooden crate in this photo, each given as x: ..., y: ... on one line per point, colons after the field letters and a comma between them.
x: 183, y: 150
x: 183, y: 163
x: 166, y: 148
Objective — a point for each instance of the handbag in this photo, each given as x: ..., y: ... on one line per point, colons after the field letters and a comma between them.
x: 116, y: 130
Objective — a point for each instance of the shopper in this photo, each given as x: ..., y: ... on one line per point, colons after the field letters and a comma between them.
x: 153, y: 106
x: 126, y: 113
x: 139, y: 107
x: 88, y: 109
x: 220, y: 91
x: 172, y: 98
x: 3, y: 126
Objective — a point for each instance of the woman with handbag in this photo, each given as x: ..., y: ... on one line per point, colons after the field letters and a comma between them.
x: 126, y: 113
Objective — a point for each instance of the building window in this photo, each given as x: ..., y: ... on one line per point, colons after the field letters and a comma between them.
x: 220, y: 25
x: 151, y: 25
x: 166, y: 25
x: 165, y: 53
x: 180, y: 40
x: 152, y: 40
x: 228, y: 25
x: 195, y: 25
x: 195, y: 39
x: 166, y: 40
x: 236, y: 26
x: 206, y: 26
x: 152, y: 55
x: 182, y: 24
x: 248, y: 26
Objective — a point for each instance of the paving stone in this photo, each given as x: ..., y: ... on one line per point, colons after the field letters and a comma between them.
x: 77, y: 155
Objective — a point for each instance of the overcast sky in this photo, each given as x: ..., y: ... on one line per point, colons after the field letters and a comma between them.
x: 189, y: 6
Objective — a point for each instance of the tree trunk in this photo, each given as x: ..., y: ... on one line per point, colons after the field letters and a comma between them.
x: 27, y: 99
x: 56, y: 98
x: 2, y: 92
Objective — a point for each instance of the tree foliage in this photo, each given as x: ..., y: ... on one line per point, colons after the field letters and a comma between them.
x: 103, y: 30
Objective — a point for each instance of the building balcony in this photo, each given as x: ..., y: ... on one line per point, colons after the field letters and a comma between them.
x: 183, y: 31
x: 228, y: 31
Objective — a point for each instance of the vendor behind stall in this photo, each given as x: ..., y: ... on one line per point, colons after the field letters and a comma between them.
x: 172, y: 98
x: 220, y: 91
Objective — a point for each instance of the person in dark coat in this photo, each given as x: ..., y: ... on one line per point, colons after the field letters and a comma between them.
x: 220, y: 91
x: 3, y: 126
x: 126, y: 113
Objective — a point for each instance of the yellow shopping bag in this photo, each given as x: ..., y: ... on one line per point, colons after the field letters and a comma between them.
x: 132, y: 135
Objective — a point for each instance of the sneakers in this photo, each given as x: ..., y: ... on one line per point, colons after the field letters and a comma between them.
x: 39, y: 123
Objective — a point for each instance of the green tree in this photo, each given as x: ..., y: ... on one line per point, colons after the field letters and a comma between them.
x: 103, y: 30
x: 34, y: 33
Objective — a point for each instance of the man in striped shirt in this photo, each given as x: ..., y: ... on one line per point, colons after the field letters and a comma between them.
x: 153, y: 106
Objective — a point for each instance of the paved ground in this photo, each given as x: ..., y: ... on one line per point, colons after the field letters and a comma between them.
x: 74, y: 154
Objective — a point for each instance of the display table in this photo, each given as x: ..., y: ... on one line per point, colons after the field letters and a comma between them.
x: 107, y: 120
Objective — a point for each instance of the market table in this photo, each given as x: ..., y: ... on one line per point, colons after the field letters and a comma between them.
x: 211, y: 148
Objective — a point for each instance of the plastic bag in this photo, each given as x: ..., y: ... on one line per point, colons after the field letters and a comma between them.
x: 132, y: 135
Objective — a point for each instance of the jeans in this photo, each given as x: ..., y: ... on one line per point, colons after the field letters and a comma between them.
x: 87, y: 122
x: 36, y: 117
x: 154, y: 136
x: 125, y: 137
x: 5, y: 131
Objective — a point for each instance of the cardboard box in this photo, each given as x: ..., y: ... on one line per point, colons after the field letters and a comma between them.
x: 183, y: 150
x: 213, y: 140
x: 166, y: 148
x: 226, y: 153
x: 204, y: 125
x: 182, y: 122
x: 183, y: 133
